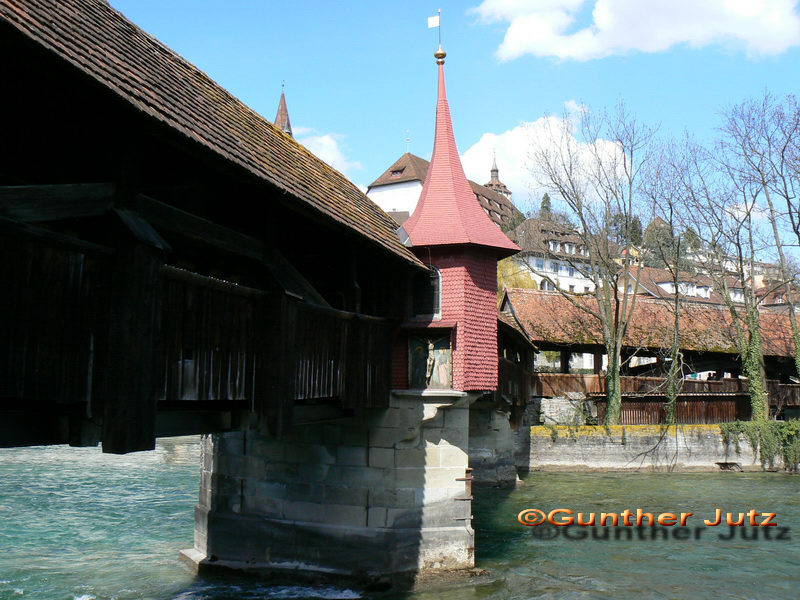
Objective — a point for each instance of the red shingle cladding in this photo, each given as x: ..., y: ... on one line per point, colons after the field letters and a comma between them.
x: 447, y: 211
x: 469, y: 288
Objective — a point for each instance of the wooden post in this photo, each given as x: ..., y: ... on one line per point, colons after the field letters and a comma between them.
x: 565, y: 356
x: 132, y: 373
x: 598, y: 362
x: 274, y: 377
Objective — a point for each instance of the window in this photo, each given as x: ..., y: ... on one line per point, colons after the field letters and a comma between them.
x: 553, y: 246
x: 398, y: 172
x: 586, y: 289
x: 571, y: 271
x: 554, y: 266
x: 564, y: 269
x: 426, y: 301
x: 540, y: 264
x: 572, y: 289
x: 548, y: 286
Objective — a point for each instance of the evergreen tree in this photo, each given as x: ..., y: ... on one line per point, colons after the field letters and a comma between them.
x: 658, y: 243
x: 546, y: 208
x: 635, y: 232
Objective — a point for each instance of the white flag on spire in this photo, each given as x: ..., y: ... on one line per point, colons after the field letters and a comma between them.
x: 433, y: 22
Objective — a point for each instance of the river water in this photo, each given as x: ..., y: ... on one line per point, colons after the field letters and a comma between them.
x: 76, y: 524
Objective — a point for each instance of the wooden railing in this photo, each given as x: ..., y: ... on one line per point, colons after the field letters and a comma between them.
x: 221, y: 341
x: 643, y: 401
x: 514, y: 380
x: 341, y: 355
x: 557, y: 384
x: 636, y: 411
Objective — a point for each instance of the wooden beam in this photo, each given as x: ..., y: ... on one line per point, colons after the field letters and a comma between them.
x: 142, y: 230
x: 38, y: 203
x: 130, y: 388
x: 565, y: 356
x: 15, y: 228
x: 196, y: 228
x: 206, y: 232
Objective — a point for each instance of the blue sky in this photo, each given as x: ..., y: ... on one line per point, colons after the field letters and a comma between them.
x: 360, y: 74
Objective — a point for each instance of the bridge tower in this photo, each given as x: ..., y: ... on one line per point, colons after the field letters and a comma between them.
x: 385, y: 493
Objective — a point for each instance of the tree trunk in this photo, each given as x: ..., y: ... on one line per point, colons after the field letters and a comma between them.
x: 613, y: 388
x: 753, y: 366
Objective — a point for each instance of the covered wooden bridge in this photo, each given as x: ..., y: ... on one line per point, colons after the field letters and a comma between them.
x: 171, y: 262
x: 708, y: 343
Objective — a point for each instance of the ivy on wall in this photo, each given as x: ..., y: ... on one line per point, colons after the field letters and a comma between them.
x: 770, y: 439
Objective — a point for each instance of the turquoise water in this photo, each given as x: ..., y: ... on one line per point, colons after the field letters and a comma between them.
x: 76, y: 524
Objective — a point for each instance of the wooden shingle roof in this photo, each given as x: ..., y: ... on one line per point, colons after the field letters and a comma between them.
x: 98, y: 40
x: 548, y: 317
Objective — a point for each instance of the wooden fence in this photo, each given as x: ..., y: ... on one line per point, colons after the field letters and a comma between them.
x: 700, y: 401
x: 688, y: 411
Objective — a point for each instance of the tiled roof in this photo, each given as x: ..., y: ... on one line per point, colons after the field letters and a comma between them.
x: 447, y: 212
x: 650, y: 277
x: 411, y: 167
x: 99, y: 41
x: 408, y: 167
x: 549, y: 317
x: 532, y: 235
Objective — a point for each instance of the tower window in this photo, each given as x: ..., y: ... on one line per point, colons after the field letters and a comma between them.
x: 426, y: 301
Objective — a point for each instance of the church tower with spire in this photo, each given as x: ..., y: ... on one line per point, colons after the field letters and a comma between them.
x: 494, y: 181
x: 451, y: 232
x: 282, y: 121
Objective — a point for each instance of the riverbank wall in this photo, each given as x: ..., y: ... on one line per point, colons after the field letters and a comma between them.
x: 633, y: 448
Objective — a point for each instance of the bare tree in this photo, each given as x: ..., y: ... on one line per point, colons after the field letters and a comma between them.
x: 759, y: 136
x: 595, y: 164
x: 724, y: 206
x: 667, y: 202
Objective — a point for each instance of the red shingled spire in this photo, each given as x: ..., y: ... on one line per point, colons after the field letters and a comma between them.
x: 448, y: 211
x: 282, y: 121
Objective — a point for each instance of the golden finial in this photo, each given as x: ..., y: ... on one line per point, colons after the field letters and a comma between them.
x: 440, y: 54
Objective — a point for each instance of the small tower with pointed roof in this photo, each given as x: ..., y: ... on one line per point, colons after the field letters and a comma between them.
x: 450, y: 231
x: 282, y: 121
x: 495, y: 183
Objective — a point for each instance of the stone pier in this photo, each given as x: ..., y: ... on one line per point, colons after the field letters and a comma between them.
x: 377, y: 495
x: 491, y: 446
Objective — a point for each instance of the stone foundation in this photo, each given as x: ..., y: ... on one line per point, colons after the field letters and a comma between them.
x: 491, y: 446
x: 380, y: 494
x: 635, y: 447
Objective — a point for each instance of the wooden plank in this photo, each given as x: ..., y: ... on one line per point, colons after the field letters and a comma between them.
x: 37, y: 203
x: 131, y: 384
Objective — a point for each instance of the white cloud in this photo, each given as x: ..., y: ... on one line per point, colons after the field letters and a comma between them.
x: 328, y: 147
x: 548, y: 27
x: 514, y: 148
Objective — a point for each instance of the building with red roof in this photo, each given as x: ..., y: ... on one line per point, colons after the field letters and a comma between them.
x: 452, y: 338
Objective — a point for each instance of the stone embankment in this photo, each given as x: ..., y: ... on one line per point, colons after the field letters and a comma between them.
x: 634, y: 447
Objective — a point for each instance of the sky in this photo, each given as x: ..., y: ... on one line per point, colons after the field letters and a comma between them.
x: 360, y: 77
